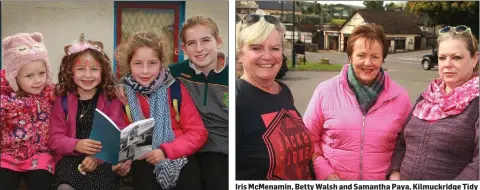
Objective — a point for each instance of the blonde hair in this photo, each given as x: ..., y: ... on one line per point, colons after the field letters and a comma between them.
x: 199, y: 20
x: 255, y: 33
x: 125, y: 51
x: 471, y: 42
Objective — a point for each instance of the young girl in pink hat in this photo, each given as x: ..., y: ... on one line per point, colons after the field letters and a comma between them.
x: 26, y: 97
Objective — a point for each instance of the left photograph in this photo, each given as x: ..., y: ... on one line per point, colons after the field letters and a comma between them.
x: 114, y: 95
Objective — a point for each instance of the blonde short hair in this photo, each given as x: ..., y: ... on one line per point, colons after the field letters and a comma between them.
x: 255, y: 33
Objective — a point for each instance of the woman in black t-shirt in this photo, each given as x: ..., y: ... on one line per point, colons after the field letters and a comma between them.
x: 271, y: 139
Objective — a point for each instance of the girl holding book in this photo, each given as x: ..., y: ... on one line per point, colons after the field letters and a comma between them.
x: 85, y: 83
x: 178, y: 132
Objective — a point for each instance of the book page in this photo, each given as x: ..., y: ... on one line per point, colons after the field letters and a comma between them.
x: 136, y: 139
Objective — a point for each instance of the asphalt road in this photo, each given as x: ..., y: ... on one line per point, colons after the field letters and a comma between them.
x: 404, y: 69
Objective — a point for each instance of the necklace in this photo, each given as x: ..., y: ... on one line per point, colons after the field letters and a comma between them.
x: 84, y: 110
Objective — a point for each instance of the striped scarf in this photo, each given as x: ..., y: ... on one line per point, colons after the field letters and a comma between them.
x: 366, y: 95
x: 167, y: 171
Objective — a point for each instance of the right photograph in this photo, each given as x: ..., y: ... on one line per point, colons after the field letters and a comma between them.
x: 357, y: 90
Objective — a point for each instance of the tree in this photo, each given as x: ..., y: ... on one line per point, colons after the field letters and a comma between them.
x: 337, y: 22
x: 314, y: 9
x: 374, y: 5
x: 390, y: 7
x: 450, y: 13
x: 300, y: 5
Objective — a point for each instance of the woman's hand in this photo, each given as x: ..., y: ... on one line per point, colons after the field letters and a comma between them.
x: 154, y: 156
x: 395, y: 175
x: 88, y: 146
x: 333, y: 177
x: 123, y: 168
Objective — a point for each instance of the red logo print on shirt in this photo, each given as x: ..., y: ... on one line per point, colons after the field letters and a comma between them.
x: 289, y: 146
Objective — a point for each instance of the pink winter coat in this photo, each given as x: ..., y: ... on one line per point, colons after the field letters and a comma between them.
x: 347, y: 143
x: 24, y: 128
x: 63, y: 132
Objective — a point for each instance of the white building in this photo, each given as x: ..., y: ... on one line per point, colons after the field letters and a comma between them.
x: 402, y: 32
x: 109, y: 22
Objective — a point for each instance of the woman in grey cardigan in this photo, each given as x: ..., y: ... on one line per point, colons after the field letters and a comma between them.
x: 440, y: 138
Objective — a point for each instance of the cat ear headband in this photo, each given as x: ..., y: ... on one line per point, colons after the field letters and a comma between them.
x: 82, y: 45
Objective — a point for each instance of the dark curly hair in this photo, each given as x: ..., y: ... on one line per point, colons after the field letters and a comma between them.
x: 65, y: 75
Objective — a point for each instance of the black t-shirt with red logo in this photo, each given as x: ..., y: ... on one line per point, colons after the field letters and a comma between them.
x: 271, y: 139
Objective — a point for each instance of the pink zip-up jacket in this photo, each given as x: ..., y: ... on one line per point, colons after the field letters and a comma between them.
x: 347, y: 143
x: 63, y: 133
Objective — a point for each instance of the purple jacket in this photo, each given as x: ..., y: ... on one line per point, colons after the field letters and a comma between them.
x: 443, y: 150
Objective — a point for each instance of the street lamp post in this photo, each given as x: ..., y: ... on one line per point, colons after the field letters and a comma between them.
x: 281, y: 13
x: 434, y: 40
x: 294, y: 64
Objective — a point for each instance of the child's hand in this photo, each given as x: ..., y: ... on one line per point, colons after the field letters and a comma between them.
x: 154, y: 156
x: 123, y: 168
x: 88, y: 146
x: 120, y: 92
x: 89, y: 164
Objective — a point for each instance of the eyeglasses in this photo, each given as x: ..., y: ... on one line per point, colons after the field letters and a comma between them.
x: 254, y: 18
x: 458, y: 29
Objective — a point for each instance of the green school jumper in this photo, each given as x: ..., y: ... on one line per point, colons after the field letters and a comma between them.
x: 210, y: 94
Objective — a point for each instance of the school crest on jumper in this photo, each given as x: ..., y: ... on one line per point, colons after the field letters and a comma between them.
x: 225, y: 99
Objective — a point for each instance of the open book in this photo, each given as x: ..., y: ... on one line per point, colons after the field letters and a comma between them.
x: 119, y: 145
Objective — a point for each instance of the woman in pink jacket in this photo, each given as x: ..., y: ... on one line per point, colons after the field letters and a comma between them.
x: 355, y: 117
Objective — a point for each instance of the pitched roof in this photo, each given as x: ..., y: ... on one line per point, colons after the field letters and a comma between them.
x: 277, y: 5
x: 393, y: 22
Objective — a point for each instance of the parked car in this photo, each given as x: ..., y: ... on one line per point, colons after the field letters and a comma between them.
x: 430, y: 60
x: 283, y: 69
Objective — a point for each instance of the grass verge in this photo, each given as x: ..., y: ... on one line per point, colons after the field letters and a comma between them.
x: 314, y: 66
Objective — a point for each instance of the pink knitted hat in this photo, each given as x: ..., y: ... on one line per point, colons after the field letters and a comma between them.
x: 21, y: 49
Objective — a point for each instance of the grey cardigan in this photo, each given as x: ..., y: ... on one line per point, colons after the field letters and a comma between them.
x: 444, y: 150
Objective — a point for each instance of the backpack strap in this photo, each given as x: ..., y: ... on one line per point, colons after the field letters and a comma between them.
x: 176, y: 97
x: 65, y: 106
x: 129, y: 114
